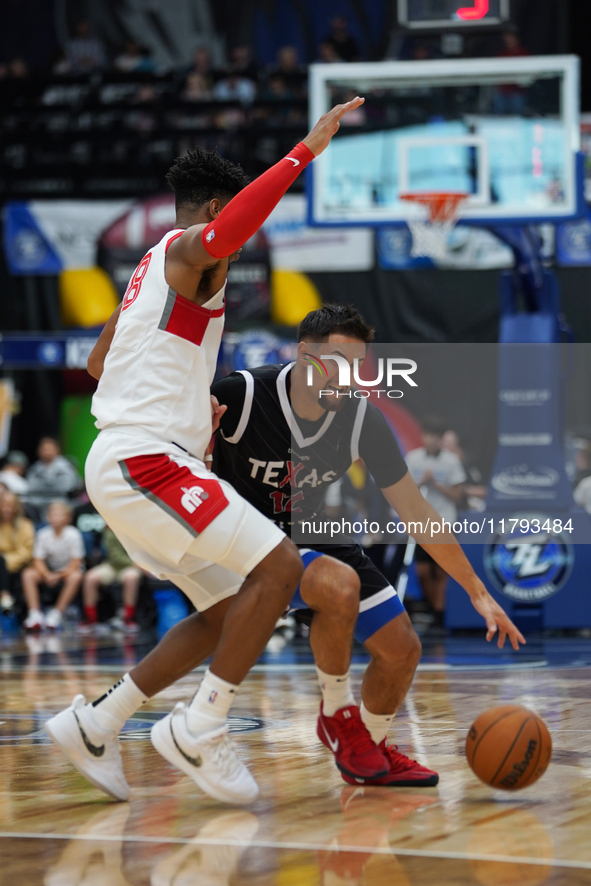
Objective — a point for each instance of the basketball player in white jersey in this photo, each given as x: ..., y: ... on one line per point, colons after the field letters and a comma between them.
x: 146, y: 475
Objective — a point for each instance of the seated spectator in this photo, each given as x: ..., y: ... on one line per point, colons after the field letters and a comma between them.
x: 474, y: 491
x: 235, y: 88
x: 440, y: 476
x: 13, y: 472
x: 53, y: 476
x: 17, y: 535
x: 242, y: 64
x: 84, y: 52
x: 510, y: 98
x: 582, y: 494
x: 117, y: 567
x: 341, y: 40
x: 196, y: 88
x: 135, y: 58
x: 327, y: 53
x: 276, y: 89
x: 240, y: 80
x: 18, y: 69
x: 288, y: 61
x: 288, y: 68
x: 582, y: 460
x: 58, y: 555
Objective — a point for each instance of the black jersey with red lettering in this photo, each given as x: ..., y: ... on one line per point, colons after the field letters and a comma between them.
x: 283, y: 464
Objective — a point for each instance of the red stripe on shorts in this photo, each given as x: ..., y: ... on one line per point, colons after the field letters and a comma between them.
x: 193, y: 501
x: 188, y: 320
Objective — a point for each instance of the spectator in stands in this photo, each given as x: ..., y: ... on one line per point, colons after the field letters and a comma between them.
x: 196, y: 88
x: 474, y: 491
x: 52, y: 476
x: 202, y: 64
x: 17, y: 535
x: 117, y: 567
x: 18, y: 69
x: 342, y: 41
x: 57, y: 567
x: 582, y: 460
x: 327, y: 53
x: 13, y: 472
x: 84, y: 52
x: 510, y: 98
x: 235, y: 88
x: 242, y: 64
x: 512, y: 47
x: 288, y: 61
x: 240, y: 80
x: 440, y: 476
x: 135, y: 59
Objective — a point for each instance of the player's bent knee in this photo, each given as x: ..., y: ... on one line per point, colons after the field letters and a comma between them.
x: 329, y: 583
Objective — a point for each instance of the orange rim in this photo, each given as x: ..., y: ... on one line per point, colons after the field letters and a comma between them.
x: 441, y: 205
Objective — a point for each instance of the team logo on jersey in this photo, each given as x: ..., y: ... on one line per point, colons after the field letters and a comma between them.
x: 315, y: 363
x: 193, y: 498
x: 209, y: 236
x: 529, y: 568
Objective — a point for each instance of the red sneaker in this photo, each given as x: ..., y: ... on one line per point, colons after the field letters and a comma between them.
x: 346, y: 735
x: 403, y: 772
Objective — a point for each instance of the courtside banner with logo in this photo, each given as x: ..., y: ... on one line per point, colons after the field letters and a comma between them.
x: 49, y: 236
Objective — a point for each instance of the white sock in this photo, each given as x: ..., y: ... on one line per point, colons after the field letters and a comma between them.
x: 377, y: 724
x: 210, y: 705
x: 112, y: 709
x: 336, y: 692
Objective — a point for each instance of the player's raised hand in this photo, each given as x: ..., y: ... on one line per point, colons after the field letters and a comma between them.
x: 496, y: 619
x: 318, y: 137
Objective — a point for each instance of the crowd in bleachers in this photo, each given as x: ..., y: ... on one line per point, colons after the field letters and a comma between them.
x: 54, y: 561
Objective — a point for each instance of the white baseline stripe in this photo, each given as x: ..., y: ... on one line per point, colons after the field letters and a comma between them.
x: 304, y: 847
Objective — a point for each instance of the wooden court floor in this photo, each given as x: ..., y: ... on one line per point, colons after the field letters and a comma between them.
x: 307, y: 828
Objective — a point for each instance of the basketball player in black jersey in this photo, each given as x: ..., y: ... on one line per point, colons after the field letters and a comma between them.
x: 281, y: 443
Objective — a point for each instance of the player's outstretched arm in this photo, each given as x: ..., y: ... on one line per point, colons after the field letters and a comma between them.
x: 412, y: 507
x: 247, y: 211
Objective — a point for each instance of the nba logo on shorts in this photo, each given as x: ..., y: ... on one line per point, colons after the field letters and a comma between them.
x: 212, y: 697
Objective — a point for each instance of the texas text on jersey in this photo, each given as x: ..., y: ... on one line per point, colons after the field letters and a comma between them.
x: 283, y: 464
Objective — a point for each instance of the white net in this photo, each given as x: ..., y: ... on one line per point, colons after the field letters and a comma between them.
x: 430, y: 238
x: 430, y: 235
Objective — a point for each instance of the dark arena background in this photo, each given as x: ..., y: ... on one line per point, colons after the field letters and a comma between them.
x: 453, y: 211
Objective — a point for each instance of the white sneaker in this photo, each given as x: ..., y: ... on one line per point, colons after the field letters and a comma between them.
x: 74, y: 732
x: 209, y: 759
x: 53, y: 619
x: 35, y: 621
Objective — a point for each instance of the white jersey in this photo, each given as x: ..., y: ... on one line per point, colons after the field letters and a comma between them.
x: 161, y: 363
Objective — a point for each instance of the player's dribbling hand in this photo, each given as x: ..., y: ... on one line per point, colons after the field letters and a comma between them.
x: 318, y: 137
x: 496, y: 619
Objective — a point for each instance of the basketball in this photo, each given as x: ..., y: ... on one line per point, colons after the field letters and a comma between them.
x: 508, y: 747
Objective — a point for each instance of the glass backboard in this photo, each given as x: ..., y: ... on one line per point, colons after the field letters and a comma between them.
x: 505, y: 132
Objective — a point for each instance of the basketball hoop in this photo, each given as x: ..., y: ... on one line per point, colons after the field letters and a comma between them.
x: 430, y: 235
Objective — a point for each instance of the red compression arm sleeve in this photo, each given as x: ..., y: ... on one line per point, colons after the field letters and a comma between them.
x: 247, y: 211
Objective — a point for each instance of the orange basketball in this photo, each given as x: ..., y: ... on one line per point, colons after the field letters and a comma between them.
x: 508, y: 747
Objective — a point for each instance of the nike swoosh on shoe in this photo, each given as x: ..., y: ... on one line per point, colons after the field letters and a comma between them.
x: 334, y: 746
x: 90, y: 747
x: 194, y: 761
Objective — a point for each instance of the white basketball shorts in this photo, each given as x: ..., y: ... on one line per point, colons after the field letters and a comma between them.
x: 174, y: 517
